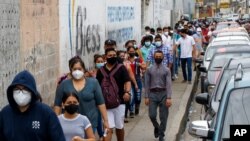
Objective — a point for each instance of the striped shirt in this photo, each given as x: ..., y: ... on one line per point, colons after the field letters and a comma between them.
x: 168, y: 58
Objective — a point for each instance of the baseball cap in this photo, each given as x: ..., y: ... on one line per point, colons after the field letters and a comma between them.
x: 110, y: 42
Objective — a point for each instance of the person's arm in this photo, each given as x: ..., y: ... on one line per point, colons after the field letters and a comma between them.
x: 150, y: 57
x: 194, y: 49
x: 103, y: 111
x: 170, y: 59
x: 131, y: 75
x: 147, y: 86
x: 58, y: 99
x: 90, y: 134
x: 101, y: 104
x: 127, y: 87
x: 169, y: 88
x: 127, y: 84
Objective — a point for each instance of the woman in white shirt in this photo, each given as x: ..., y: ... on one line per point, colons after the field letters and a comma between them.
x: 76, y: 127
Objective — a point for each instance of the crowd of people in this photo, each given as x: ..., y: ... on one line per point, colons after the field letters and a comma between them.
x: 107, y: 97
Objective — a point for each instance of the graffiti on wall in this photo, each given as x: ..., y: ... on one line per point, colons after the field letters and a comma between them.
x: 122, y: 16
x: 119, y: 14
x: 87, y: 38
x: 121, y: 35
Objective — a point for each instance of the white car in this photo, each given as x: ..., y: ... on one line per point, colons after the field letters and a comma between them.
x: 234, y: 17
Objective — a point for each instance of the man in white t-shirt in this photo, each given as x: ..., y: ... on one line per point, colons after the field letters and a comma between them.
x: 188, y: 52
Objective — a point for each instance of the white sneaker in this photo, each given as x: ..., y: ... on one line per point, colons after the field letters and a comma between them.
x: 176, y: 76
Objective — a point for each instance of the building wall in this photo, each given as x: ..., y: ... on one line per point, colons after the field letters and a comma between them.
x: 9, y: 45
x: 39, y: 44
x: 84, y: 26
x: 157, y: 13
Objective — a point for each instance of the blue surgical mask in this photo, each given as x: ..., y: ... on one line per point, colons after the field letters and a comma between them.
x: 158, y: 43
x: 99, y: 65
x: 147, y: 44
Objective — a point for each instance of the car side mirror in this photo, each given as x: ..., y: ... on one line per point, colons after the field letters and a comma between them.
x: 200, y: 128
x: 202, y: 98
x: 203, y: 69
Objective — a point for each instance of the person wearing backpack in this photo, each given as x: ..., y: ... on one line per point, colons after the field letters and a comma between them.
x: 115, y: 84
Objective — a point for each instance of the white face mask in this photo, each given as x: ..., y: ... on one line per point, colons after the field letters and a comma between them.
x: 77, y: 74
x: 158, y: 43
x: 166, y: 33
x: 147, y: 33
x: 22, y: 97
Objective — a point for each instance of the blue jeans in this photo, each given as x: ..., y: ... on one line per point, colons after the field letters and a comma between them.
x: 186, y: 63
x: 177, y: 63
x: 137, y: 96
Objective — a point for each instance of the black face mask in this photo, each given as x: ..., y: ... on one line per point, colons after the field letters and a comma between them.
x: 132, y: 55
x: 158, y: 60
x: 112, y: 60
x: 71, y: 109
x: 120, y: 60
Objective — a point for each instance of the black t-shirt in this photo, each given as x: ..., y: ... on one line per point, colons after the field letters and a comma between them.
x: 121, y: 77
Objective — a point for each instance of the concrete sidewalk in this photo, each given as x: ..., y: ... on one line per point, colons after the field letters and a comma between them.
x: 140, y: 128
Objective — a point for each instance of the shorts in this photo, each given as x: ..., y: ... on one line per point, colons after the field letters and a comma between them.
x: 116, y: 117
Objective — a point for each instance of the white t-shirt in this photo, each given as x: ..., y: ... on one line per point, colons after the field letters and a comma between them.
x: 168, y: 41
x: 186, y: 45
x: 74, y: 127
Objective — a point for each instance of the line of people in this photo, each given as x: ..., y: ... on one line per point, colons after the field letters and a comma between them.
x: 99, y: 100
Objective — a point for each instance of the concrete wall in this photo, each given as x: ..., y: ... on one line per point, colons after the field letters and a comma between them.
x: 39, y: 43
x: 123, y: 20
x: 157, y: 13
x: 9, y: 45
x: 84, y: 26
x: 82, y: 30
x: 42, y: 35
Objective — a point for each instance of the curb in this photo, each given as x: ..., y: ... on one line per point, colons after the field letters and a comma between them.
x: 181, y: 116
x: 184, y: 117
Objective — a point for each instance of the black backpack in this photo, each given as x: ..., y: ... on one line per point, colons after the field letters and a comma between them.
x: 110, y: 89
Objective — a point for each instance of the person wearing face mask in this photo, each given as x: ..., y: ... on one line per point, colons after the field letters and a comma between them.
x: 25, y: 118
x: 158, y: 91
x: 99, y: 62
x: 198, y: 41
x: 122, y: 60
x: 121, y: 86
x: 188, y: 53
x: 137, y: 64
x: 88, y: 91
x: 147, y: 46
x: 168, y: 58
x: 76, y: 127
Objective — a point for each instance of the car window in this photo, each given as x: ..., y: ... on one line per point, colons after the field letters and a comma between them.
x: 237, y: 110
x: 222, y: 82
x: 226, y: 25
x: 220, y: 60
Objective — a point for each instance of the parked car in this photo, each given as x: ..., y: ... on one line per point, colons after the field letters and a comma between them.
x: 211, y: 49
x: 232, y: 34
x: 223, y: 25
x: 233, y: 17
x: 218, y: 60
x: 232, y: 109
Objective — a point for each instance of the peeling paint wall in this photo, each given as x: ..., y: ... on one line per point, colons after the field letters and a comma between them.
x: 9, y: 45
